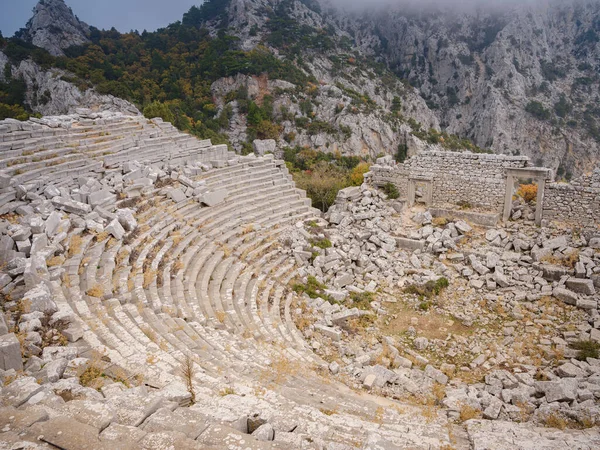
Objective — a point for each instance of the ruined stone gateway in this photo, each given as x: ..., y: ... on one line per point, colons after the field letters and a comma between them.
x: 162, y: 292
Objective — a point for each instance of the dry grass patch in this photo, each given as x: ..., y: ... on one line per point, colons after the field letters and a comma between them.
x: 468, y: 412
x: 149, y: 277
x: 75, y: 245
x: 95, y: 291
x: 55, y: 261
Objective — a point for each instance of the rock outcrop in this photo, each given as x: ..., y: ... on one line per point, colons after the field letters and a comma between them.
x: 54, y: 27
x: 52, y: 92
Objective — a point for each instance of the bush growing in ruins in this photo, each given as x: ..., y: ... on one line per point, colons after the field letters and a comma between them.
x: 362, y: 300
x: 321, y: 243
x: 587, y: 349
x: 321, y: 184
x: 391, y: 191
x: 429, y: 289
x: 528, y: 192
x: 313, y: 289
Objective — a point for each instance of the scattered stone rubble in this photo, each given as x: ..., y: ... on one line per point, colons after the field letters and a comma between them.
x: 516, y: 364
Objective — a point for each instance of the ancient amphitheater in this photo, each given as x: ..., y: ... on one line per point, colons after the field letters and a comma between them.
x: 156, y: 291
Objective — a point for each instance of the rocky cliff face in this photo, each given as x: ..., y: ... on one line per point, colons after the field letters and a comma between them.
x: 523, y: 80
x: 54, y: 27
x: 50, y: 92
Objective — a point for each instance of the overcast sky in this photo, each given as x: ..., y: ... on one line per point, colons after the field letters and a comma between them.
x: 124, y: 15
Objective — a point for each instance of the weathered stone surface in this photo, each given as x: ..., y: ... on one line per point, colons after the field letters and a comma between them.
x: 19, y: 391
x: 581, y: 286
x: 555, y: 243
x: 189, y: 422
x: 10, y: 352
x: 264, y: 433
x: 569, y: 370
x: 40, y: 299
x: 557, y: 391
x: 177, y: 195
x: 68, y: 434
x: 262, y: 147
x: 90, y: 412
x: 115, y: 229
x: 214, y: 198
x: 330, y: 332
x: 71, y: 206
x: 503, y: 435
x: 567, y: 296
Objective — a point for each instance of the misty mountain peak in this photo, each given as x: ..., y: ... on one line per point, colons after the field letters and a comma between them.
x: 54, y: 27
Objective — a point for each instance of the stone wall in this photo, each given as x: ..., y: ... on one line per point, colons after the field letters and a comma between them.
x: 478, y: 179
x: 577, y: 202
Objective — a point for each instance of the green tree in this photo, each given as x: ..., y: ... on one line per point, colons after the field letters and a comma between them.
x: 158, y: 109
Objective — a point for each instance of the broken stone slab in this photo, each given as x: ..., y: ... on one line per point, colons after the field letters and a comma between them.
x: 176, y: 195
x: 436, y: 374
x: 558, y: 391
x: 40, y: 299
x: 581, y: 286
x: 52, y: 223
x: 589, y: 305
x: 478, y: 266
x: 133, y: 409
x: 330, y: 332
x: 10, y: 352
x: 19, y: 391
x: 68, y: 434
x: 339, y: 296
x: 343, y: 316
x: 264, y: 433
x: 569, y: 370
x: 126, y: 219
x: 493, y: 410
x: 540, y: 253
x: 565, y: 295
x: 71, y: 206
x: 90, y: 412
x: 213, y: 198
x: 555, y: 243
x: 350, y: 193
x: 189, y: 422
x: 463, y: 227
x: 54, y: 369
x: 553, y: 272
x: 501, y: 279
x: 115, y: 229
x: 100, y: 197
x: 4, y: 180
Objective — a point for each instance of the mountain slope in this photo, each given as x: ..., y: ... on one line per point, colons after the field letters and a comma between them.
x: 524, y: 80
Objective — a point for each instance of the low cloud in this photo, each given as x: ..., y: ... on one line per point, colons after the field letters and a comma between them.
x: 412, y: 5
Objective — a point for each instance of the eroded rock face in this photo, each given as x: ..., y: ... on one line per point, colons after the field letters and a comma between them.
x: 49, y: 94
x: 54, y: 27
x: 482, y: 70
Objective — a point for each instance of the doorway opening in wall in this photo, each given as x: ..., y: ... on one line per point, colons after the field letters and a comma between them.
x: 421, y: 192
x: 525, y: 192
x: 524, y: 199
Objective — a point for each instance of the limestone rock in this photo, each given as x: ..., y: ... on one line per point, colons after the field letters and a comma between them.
x: 10, y: 353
